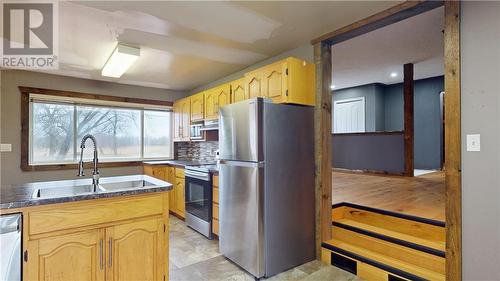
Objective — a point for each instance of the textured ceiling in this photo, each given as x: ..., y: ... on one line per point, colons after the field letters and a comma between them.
x: 372, y: 57
x: 188, y: 44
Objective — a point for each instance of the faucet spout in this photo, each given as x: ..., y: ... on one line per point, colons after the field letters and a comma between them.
x: 95, y: 173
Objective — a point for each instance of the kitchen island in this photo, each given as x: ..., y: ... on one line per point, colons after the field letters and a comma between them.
x: 73, y: 231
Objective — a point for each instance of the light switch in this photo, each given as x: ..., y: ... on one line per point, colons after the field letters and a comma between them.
x: 5, y: 147
x: 474, y: 142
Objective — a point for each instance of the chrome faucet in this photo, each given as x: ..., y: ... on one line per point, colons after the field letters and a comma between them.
x: 95, y: 173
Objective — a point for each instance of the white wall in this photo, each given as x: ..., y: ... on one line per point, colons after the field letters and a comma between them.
x: 10, y: 131
x: 480, y: 42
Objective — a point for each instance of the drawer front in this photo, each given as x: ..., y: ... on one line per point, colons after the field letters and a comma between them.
x: 216, y: 211
x: 179, y: 172
x: 216, y: 226
x: 216, y: 181
x: 92, y: 212
x: 215, y: 195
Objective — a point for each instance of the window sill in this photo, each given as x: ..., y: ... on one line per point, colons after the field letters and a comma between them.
x: 74, y: 166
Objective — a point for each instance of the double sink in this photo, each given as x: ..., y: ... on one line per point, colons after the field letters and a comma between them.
x: 70, y: 188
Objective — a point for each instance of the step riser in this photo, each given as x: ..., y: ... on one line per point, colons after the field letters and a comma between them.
x: 363, y: 270
x: 409, y: 255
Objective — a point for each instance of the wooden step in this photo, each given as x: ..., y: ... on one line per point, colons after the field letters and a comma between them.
x: 418, y: 231
x: 409, y: 255
x: 386, y: 265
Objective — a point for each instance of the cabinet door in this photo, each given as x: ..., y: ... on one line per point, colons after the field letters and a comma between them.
x: 185, y: 119
x: 177, y: 121
x: 275, y: 82
x: 253, y: 84
x: 210, y: 104
x: 222, y: 97
x: 171, y: 194
x: 238, y: 90
x: 179, y: 197
x: 197, y: 107
x: 136, y: 251
x: 77, y: 256
x: 148, y: 170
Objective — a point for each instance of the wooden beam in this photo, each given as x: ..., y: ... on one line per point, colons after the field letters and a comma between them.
x: 392, y: 15
x: 323, y: 144
x: 453, y: 141
x: 408, y: 86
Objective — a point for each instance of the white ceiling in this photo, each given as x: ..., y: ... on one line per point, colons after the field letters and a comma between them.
x: 372, y: 57
x: 188, y: 44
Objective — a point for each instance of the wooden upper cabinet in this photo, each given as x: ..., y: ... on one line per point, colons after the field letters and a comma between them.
x: 253, y: 84
x: 182, y: 109
x: 222, y: 97
x: 215, y: 98
x: 186, y: 118
x: 238, y: 90
x: 275, y: 81
x: 134, y: 251
x: 197, y: 107
x: 210, y: 104
x: 77, y: 256
x: 287, y: 81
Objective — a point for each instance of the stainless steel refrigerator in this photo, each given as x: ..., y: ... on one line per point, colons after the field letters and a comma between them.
x: 266, y: 176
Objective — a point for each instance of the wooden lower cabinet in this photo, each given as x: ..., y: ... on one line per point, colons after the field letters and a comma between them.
x: 134, y: 251
x: 76, y: 256
x: 180, y: 200
x: 215, y: 207
x: 120, y: 246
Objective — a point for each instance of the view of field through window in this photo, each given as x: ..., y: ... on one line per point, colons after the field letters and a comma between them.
x: 122, y: 133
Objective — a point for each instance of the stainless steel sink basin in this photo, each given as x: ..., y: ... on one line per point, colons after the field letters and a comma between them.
x: 63, y: 191
x: 124, y: 185
x: 71, y: 188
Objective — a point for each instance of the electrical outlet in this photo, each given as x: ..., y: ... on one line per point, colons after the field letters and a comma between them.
x: 474, y: 142
x: 5, y: 147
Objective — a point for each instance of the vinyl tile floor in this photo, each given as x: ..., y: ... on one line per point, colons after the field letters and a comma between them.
x: 193, y: 257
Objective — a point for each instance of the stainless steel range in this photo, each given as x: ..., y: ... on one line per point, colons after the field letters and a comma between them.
x: 198, y: 184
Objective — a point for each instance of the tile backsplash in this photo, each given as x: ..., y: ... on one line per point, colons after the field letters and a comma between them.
x: 196, y: 150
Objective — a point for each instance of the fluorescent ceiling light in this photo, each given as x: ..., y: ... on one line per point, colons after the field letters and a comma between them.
x: 394, y: 74
x: 120, y: 60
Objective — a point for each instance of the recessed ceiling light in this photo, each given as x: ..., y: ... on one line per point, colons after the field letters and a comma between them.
x: 121, y: 59
x: 332, y: 87
x: 394, y: 74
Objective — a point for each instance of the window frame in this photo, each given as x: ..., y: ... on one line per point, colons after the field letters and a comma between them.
x: 26, y: 126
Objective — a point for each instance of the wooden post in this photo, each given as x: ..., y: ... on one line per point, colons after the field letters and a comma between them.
x: 408, y: 119
x: 323, y: 144
x: 453, y: 140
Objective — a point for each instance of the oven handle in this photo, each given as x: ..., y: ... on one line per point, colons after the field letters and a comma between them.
x: 197, y: 175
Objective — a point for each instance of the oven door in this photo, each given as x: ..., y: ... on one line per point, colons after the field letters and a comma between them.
x: 199, y: 197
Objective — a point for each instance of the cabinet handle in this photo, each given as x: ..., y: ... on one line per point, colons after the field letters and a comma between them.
x: 101, y: 256
x: 110, y: 243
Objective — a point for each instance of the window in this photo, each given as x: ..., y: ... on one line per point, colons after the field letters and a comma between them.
x: 124, y: 132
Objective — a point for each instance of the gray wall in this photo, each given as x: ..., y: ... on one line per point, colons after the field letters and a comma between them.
x: 373, y: 94
x: 366, y: 151
x: 305, y: 52
x: 428, y: 128
x: 10, y: 100
x: 480, y: 54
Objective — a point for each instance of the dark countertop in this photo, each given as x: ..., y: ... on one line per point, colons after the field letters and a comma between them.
x: 179, y: 163
x: 21, y: 196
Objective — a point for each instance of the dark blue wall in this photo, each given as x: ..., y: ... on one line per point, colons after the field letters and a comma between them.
x: 386, y: 114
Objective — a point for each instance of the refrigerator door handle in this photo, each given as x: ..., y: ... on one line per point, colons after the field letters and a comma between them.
x: 242, y: 163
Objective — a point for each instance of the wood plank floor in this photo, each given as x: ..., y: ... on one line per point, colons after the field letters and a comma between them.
x: 422, y: 196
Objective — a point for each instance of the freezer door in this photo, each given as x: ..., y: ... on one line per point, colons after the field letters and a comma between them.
x: 241, y: 214
x: 240, y: 131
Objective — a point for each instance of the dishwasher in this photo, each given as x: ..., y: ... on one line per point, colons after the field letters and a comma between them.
x: 10, y: 247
